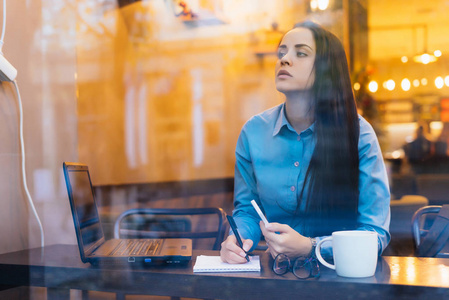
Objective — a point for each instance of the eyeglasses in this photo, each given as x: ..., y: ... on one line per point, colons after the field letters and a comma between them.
x: 302, y: 267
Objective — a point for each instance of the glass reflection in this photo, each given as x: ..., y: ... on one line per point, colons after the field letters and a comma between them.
x: 143, y: 95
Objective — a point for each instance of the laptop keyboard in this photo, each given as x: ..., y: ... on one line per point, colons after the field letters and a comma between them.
x: 137, y: 247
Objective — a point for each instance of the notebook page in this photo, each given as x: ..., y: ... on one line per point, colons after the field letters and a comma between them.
x: 206, y: 263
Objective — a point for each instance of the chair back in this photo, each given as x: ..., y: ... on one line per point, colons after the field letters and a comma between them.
x: 170, y: 223
x: 433, y: 187
x: 402, y: 210
x: 430, y: 239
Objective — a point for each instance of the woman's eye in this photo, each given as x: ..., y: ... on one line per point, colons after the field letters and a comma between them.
x: 300, y: 54
x: 281, y: 54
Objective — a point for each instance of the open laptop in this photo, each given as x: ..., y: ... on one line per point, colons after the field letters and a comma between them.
x: 89, y: 233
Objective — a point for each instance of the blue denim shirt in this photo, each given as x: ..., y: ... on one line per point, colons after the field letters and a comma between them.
x: 271, y: 163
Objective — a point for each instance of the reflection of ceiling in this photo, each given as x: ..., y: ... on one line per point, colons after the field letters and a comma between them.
x: 399, y: 41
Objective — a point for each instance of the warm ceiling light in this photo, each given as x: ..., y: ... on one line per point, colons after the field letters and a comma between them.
x: 323, y: 4
x: 446, y: 80
x: 439, y: 82
x: 405, y: 84
x: 404, y: 59
x: 356, y: 86
x: 416, y: 83
x: 319, y: 4
x: 424, y: 81
x: 373, y: 86
x: 424, y: 58
x: 437, y: 53
x: 390, y: 85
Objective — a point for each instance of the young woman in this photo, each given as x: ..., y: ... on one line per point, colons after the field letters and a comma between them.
x: 312, y: 164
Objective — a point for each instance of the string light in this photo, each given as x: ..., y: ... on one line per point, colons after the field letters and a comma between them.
x: 439, y: 82
x: 416, y: 83
x: 373, y: 86
x: 405, y: 84
x: 390, y: 84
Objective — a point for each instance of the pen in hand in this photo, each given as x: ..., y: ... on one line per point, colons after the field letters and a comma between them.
x: 236, y: 233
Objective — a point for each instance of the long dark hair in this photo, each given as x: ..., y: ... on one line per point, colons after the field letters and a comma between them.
x: 332, y: 178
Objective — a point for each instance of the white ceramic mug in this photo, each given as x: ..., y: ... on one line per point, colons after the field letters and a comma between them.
x: 355, y: 253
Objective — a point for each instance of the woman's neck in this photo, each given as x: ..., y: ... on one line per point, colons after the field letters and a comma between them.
x: 299, y: 110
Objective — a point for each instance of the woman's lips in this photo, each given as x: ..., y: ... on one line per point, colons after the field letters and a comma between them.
x: 284, y: 74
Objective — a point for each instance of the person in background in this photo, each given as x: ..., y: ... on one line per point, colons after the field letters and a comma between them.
x: 419, y: 149
x: 312, y: 163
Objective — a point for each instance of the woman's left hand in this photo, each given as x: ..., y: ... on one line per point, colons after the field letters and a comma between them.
x: 282, y: 238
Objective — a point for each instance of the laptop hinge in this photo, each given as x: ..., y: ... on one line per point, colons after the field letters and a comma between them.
x: 95, y: 246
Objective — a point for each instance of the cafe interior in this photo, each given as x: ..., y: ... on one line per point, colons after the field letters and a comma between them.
x: 152, y: 96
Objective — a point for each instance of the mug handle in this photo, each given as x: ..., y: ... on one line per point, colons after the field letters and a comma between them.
x: 318, y: 253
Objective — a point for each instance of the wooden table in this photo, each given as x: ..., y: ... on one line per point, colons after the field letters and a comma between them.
x: 59, y: 269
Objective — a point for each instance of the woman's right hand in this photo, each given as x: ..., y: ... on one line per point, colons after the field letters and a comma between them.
x: 232, y: 253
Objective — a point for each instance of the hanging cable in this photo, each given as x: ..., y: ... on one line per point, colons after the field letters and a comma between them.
x: 22, y: 148
x: 2, y: 38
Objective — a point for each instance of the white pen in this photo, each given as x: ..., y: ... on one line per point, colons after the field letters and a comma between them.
x: 259, y: 212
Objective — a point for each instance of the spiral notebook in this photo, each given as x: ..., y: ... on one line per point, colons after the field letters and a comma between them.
x: 206, y: 263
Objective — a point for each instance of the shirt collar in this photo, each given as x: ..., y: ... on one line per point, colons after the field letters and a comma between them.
x: 282, y: 121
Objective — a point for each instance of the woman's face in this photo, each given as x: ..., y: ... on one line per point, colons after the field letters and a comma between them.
x: 296, y: 57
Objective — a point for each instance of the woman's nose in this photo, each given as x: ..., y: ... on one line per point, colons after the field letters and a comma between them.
x: 285, y: 60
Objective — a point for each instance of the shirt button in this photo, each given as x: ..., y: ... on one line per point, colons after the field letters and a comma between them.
x: 298, y: 138
x: 296, y: 163
x: 292, y: 188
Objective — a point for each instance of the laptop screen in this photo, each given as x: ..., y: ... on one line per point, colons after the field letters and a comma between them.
x: 84, y: 209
